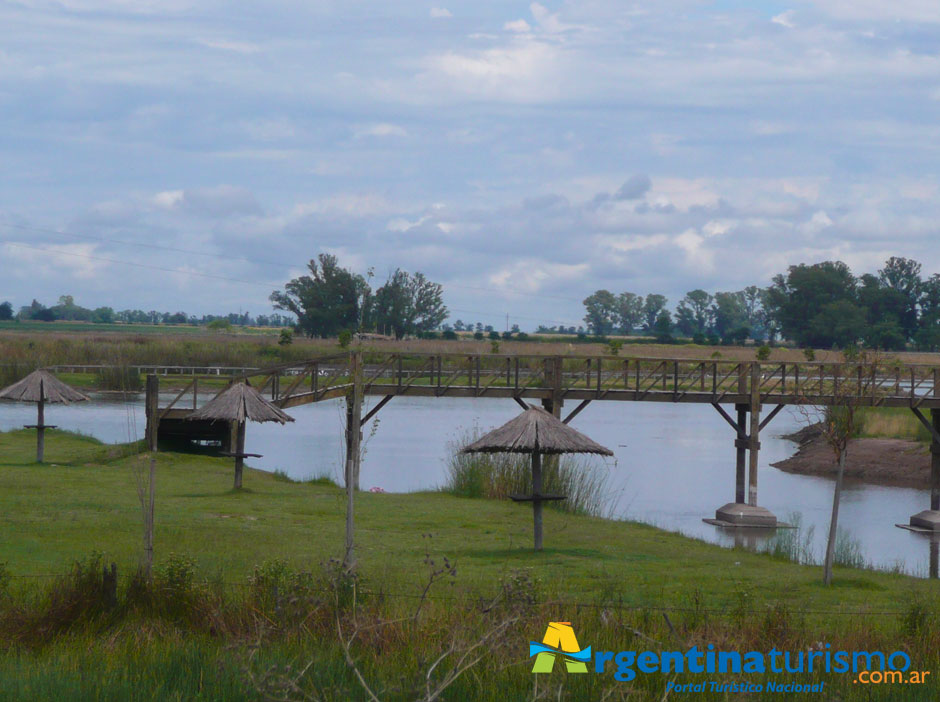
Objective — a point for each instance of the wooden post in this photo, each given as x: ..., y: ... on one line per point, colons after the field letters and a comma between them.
x: 152, y: 411
x: 935, y: 463
x: 195, y: 391
x: 536, y: 495
x: 754, y: 444
x: 353, y: 439
x: 148, y: 537
x: 740, y: 445
x: 40, y: 427
x: 239, y: 454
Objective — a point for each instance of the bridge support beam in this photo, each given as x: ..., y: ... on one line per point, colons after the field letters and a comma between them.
x: 929, y: 519
x: 744, y: 511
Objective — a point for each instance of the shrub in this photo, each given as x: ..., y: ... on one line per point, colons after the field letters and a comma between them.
x: 763, y: 352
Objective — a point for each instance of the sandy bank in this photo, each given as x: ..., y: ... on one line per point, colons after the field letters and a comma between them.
x: 883, y: 461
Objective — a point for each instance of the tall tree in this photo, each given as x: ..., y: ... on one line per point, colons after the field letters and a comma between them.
x: 883, y: 307
x: 798, y: 297
x: 729, y: 313
x: 6, y: 311
x: 600, y: 312
x: 629, y: 311
x: 903, y: 276
x: 325, y: 302
x: 652, y: 306
x: 408, y: 304
x: 697, y: 302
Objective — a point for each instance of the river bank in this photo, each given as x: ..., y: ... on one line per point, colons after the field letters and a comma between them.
x: 881, y: 461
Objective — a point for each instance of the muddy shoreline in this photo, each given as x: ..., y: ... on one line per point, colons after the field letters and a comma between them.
x: 896, y: 462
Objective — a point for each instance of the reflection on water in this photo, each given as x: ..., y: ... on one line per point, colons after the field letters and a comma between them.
x: 673, y: 464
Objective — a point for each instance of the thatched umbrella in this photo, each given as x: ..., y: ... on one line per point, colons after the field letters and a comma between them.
x: 536, y: 432
x: 41, y: 387
x: 239, y: 403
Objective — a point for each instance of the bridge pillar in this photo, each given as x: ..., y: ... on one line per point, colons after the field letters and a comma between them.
x: 930, y: 519
x: 741, y: 446
x: 740, y: 513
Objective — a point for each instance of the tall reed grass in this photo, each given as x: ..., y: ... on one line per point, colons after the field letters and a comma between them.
x: 585, y: 481
x: 891, y: 423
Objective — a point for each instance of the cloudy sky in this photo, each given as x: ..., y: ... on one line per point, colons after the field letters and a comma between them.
x: 194, y: 155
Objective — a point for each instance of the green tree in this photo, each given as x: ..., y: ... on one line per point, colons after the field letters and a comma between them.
x: 6, y: 311
x: 838, y: 323
x: 902, y: 275
x: 652, y: 306
x: 103, y: 315
x: 729, y: 313
x: 326, y: 301
x: 662, y: 327
x: 694, y: 308
x: 408, y: 304
x: 629, y: 311
x: 798, y: 297
x: 601, y: 312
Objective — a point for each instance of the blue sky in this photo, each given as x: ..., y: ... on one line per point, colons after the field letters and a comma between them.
x: 521, y: 154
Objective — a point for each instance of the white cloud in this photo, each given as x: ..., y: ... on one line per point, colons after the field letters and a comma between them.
x: 519, y: 25
x: 440, y: 13
x: 238, y: 47
x: 908, y: 10
x: 383, y: 129
x: 531, y: 275
x: 80, y: 261
x: 351, y: 204
x: 523, y: 71
x: 625, y: 243
x: 784, y: 19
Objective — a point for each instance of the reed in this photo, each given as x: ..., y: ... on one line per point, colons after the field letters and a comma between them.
x: 585, y: 481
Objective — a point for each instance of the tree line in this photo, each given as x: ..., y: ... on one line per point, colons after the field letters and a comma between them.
x: 818, y: 305
x: 330, y: 300
x: 68, y: 311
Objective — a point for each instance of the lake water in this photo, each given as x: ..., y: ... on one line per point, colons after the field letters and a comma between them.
x: 673, y: 464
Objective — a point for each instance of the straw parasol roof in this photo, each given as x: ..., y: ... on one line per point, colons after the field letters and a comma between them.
x: 536, y: 431
x: 42, y: 386
x: 238, y: 403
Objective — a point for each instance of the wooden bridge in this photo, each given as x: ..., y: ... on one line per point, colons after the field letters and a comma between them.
x: 552, y: 380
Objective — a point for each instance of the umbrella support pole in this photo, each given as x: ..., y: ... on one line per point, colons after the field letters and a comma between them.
x: 41, y: 431
x: 239, y: 454
x: 537, y: 504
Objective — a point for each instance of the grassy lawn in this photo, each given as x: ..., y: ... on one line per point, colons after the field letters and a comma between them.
x: 625, y: 585
x: 84, y: 499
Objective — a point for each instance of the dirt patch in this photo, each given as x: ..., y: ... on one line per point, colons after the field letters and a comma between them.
x: 882, y: 461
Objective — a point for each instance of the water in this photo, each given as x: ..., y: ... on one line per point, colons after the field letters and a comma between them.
x: 673, y: 464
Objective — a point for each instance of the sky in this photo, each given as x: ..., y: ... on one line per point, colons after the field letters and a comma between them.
x: 183, y: 155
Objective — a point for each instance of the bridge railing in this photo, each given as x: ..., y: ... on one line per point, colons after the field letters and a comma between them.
x: 611, y: 377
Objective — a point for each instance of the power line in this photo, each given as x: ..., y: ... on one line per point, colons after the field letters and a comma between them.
x: 245, y: 259
x: 180, y: 271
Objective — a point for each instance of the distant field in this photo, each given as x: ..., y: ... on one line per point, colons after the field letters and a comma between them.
x: 90, y: 327
x: 80, y: 343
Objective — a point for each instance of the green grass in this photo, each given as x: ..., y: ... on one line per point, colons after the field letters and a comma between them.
x: 891, y: 423
x: 612, y: 578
